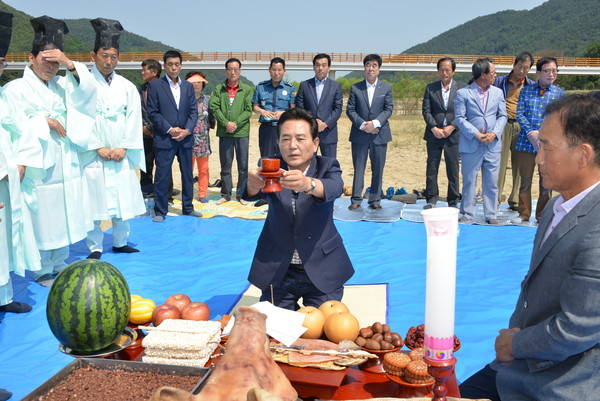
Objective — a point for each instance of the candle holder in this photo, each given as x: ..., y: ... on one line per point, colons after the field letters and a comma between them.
x: 440, y: 370
x: 441, y: 225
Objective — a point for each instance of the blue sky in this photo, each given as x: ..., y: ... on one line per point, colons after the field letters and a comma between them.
x: 384, y: 26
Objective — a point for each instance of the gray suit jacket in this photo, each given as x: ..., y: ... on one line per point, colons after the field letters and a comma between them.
x: 472, y: 119
x: 558, y: 311
x: 359, y: 111
x: 434, y: 112
x: 328, y: 110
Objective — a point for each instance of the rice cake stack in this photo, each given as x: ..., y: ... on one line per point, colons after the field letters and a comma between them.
x: 182, y: 342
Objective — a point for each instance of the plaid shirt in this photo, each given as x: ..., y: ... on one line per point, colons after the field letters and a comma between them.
x: 530, y: 111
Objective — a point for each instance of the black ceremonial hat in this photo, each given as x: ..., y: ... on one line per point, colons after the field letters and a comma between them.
x: 5, y: 32
x: 108, y: 32
x: 48, y: 31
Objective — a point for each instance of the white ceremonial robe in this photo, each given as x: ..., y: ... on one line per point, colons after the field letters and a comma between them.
x: 62, y: 218
x: 114, y: 186
x: 18, y: 247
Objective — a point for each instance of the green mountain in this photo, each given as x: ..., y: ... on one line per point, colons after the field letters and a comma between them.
x: 555, y: 28
x: 80, y: 39
x: 128, y: 42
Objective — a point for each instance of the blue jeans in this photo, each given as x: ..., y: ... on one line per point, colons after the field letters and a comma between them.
x: 296, y: 285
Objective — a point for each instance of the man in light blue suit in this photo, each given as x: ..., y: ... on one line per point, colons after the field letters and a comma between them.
x: 370, y: 105
x: 480, y: 112
x: 551, y: 347
x: 323, y: 98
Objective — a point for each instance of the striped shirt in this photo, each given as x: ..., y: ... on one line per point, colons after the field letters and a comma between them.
x: 530, y: 111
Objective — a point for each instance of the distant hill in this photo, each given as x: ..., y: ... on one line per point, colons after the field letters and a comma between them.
x: 22, y: 34
x: 555, y: 28
x: 128, y: 42
x: 80, y: 39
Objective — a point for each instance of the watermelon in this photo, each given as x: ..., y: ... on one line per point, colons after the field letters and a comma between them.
x: 88, y: 305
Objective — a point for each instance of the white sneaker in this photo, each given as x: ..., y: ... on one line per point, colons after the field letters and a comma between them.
x: 243, y: 202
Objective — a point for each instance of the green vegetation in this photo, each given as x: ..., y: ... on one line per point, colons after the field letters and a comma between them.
x: 555, y: 28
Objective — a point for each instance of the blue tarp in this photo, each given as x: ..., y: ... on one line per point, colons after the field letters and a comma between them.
x: 208, y: 259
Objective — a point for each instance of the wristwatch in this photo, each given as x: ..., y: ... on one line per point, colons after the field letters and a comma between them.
x: 313, y: 185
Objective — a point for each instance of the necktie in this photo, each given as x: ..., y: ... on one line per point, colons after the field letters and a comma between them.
x: 109, y: 79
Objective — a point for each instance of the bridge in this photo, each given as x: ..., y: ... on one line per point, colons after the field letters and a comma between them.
x: 340, y: 61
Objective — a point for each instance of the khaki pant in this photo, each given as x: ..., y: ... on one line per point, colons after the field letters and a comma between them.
x: 526, y: 163
x: 509, y: 139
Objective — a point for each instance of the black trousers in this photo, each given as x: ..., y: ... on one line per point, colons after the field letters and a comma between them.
x: 481, y: 385
x: 146, y: 178
x: 434, y: 156
x: 267, y: 140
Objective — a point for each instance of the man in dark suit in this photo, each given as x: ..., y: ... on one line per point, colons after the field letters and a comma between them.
x: 441, y: 133
x: 370, y: 105
x: 551, y: 348
x: 323, y: 97
x: 300, y: 253
x: 173, y: 111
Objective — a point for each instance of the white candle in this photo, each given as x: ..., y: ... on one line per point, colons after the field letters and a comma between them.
x: 441, y: 225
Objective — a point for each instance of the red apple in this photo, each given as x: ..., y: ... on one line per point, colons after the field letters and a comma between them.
x: 162, y: 312
x: 313, y: 321
x: 178, y: 300
x: 196, y: 311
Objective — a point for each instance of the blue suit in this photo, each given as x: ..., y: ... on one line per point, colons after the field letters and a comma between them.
x: 328, y: 109
x: 472, y: 119
x: 164, y: 114
x: 309, y: 229
x: 364, y: 144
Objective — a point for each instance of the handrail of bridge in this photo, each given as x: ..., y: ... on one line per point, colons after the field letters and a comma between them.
x: 307, y: 57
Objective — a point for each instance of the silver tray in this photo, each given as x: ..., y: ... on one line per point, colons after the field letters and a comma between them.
x: 126, y: 338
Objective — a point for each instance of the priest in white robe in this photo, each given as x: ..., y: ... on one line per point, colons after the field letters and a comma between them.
x: 116, y: 145
x: 61, y: 111
x: 20, y: 163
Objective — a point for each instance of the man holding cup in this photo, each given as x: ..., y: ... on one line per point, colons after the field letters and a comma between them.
x: 300, y: 253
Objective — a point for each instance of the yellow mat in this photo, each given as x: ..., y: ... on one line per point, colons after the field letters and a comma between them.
x: 367, y: 302
x: 232, y: 208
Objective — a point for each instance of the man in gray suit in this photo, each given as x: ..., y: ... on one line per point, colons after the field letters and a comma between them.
x: 323, y: 98
x: 369, y: 107
x: 441, y: 133
x: 480, y: 112
x: 551, y: 350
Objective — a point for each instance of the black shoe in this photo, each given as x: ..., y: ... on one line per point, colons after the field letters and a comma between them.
x: 215, y: 184
x: 514, y: 208
x: 125, y: 249
x: 261, y: 202
x: 45, y: 280
x: 95, y: 255
x: 4, y: 395
x: 354, y: 206
x: 176, y: 191
x: 15, y: 307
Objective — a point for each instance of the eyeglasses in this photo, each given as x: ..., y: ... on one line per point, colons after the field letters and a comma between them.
x: 552, y: 71
x: 233, y: 70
